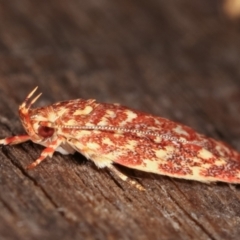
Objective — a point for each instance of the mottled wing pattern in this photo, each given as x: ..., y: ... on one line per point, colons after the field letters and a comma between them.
x: 149, y: 143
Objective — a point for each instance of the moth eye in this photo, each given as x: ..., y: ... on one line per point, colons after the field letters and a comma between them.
x: 45, y: 131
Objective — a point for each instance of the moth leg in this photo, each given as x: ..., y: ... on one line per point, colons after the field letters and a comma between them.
x: 14, y: 140
x: 125, y: 178
x: 47, y: 152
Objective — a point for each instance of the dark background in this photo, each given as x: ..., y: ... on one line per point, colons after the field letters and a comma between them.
x: 176, y: 59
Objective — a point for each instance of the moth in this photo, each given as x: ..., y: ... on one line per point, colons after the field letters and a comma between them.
x: 110, y: 133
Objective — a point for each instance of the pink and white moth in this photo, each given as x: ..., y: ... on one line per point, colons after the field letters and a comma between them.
x: 111, y: 133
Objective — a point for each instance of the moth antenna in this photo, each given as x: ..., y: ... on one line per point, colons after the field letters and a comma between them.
x: 34, y: 100
x: 31, y: 93
x: 24, y: 107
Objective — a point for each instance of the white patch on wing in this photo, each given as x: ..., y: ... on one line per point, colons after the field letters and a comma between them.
x: 163, y: 153
x: 130, y: 116
x: 71, y: 122
x: 111, y: 113
x: 131, y: 144
x: 180, y: 130
x: 150, y: 165
x: 108, y: 142
x: 84, y: 111
x: 205, y: 154
x: 103, y: 122
x: 92, y: 145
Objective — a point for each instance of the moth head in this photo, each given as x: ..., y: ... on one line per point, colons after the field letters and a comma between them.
x: 35, y: 121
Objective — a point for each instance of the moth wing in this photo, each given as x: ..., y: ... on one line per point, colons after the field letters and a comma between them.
x: 152, y: 144
x: 187, y: 161
x: 170, y: 158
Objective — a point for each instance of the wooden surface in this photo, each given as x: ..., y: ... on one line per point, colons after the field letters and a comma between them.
x: 176, y: 59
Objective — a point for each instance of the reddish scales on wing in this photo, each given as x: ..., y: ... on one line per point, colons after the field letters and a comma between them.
x: 145, y: 142
x: 110, y: 133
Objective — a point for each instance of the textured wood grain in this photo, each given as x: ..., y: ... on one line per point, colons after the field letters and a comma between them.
x: 176, y: 59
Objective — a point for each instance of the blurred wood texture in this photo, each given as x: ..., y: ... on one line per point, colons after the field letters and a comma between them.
x: 176, y: 59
